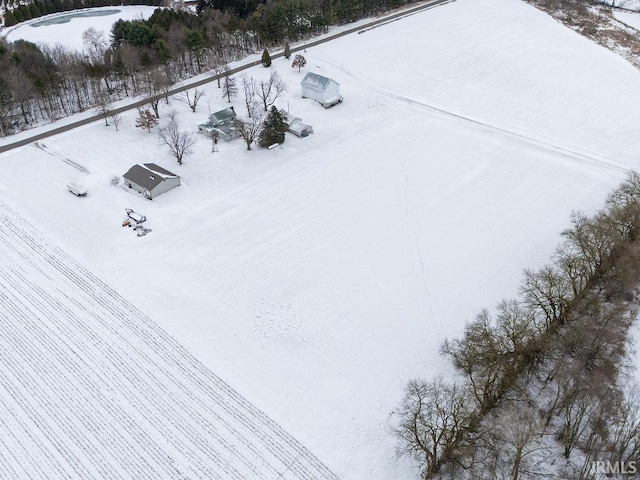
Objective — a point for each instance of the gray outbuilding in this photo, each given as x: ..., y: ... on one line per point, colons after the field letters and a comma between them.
x: 150, y: 180
x: 298, y: 127
x: 322, y: 89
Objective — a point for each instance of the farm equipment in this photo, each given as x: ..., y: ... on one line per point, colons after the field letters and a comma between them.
x: 135, y: 220
x: 135, y: 217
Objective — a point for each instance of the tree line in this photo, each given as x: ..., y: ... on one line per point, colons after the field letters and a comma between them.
x: 544, y: 377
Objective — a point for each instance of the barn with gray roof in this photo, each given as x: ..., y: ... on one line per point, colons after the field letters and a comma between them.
x: 322, y: 89
x: 150, y: 180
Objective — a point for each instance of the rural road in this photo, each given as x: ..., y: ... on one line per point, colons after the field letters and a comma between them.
x: 233, y: 71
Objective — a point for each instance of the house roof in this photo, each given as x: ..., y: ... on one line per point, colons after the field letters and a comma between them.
x: 223, y: 116
x: 148, y: 176
x: 317, y: 82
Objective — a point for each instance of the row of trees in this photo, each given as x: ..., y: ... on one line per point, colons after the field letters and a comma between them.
x: 543, y: 376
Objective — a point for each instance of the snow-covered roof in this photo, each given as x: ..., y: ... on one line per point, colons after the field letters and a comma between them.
x: 148, y: 176
x: 223, y: 116
x: 317, y: 82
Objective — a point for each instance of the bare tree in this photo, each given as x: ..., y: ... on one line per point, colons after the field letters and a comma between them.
x: 432, y: 417
x: 229, y: 88
x: 193, y: 103
x: 116, y: 119
x: 249, y: 88
x: 179, y: 142
x: 94, y: 39
x: 625, y: 437
x: 156, y: 84
x: 250, y: 129
x: 96, y: 44
x: 102, y: 105
x: 22, y: 91
x: 518, y: 430
x: 220, y: 71
x: 269, y: 91
x: 547, y: 293
x: 479, y: 356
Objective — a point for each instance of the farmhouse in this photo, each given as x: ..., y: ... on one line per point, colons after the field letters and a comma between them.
x: 150, y: 180
x: 224, y: 132
x: 322, y: 89
x: 223, y: 117
x: 220, y: 124
x: 297, y: 127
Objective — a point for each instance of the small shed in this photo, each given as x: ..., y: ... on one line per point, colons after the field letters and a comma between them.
x: 297, y: 127
x: 150, y: 180
x: 322, y: 89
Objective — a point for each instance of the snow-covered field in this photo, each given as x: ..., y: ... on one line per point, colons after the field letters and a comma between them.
x: 92, y: 388
x: 316, y: 278
x: 630, y: 18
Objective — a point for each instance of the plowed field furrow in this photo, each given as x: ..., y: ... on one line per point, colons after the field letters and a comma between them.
x: 91, y: 388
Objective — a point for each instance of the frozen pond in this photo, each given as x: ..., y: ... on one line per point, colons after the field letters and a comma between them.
x: 66, y: 28
x: 67, y: 18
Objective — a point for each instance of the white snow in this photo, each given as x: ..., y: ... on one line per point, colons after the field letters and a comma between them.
x: 318, y: 277
x: 630, y: 18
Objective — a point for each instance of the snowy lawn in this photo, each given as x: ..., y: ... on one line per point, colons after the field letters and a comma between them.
x: 318, y: 277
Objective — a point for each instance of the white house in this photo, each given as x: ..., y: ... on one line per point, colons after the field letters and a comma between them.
x: 224, y: 132
x: 322, y: 89
x: 150, y: 180
x: 220, y: 124
x: 223, y: 117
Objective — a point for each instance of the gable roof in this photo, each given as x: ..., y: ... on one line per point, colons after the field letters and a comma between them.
x: 223, y: 116
x: 148, y: 176
x: 317, y: 82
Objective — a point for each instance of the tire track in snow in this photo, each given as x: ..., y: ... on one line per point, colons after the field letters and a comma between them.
x: 91, y: 388
x: 46, y: 150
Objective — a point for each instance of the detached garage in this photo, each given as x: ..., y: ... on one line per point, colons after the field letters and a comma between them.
x: 322, y: 89
x: 150, y: 180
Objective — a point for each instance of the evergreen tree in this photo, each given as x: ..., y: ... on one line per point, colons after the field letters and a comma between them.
x: 10, y: 19
x: 24, y: 11
x: 266, y: 58
x: 34, y: 10
x: 287, y: 51
x: 274, y: 128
